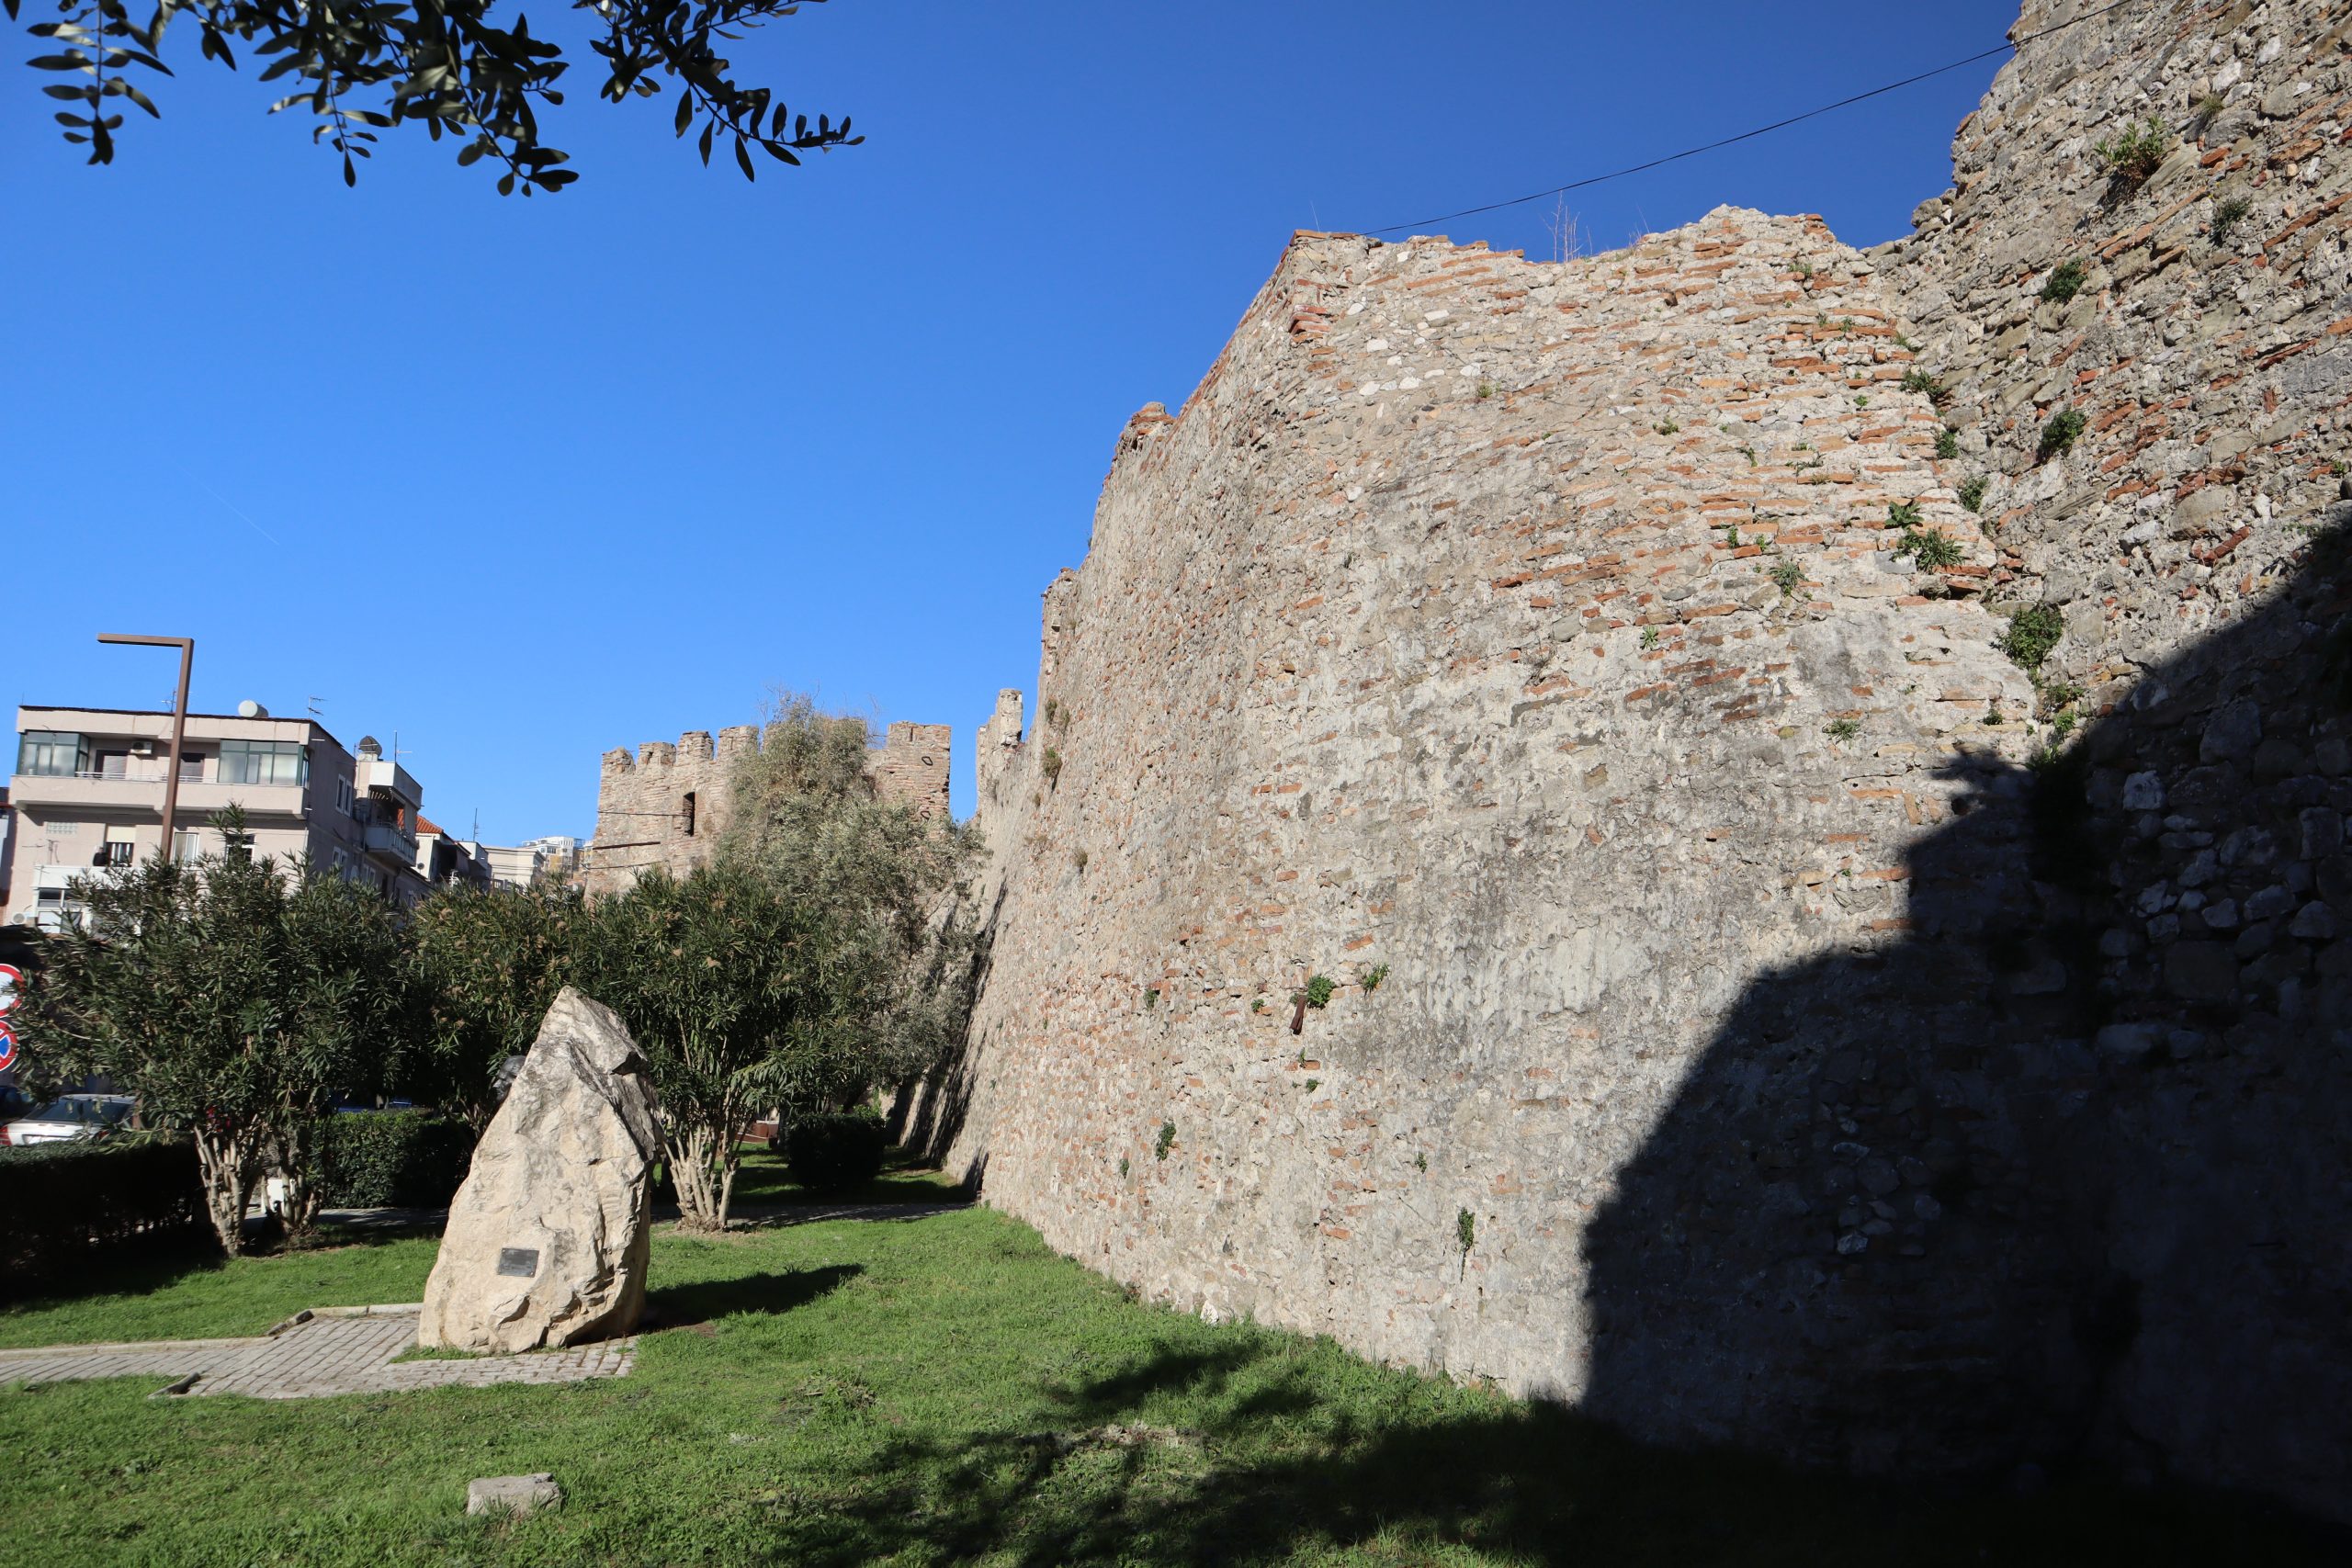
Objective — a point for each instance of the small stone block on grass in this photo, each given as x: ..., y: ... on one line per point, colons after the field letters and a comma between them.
x: 514, y: 1495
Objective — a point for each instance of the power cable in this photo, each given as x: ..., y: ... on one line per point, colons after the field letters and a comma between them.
x: 2005, y: 47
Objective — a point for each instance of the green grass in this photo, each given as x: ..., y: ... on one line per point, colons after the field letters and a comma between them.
x: 948, y: 1390
x: 200, y: 1298
x: 763, y: 1181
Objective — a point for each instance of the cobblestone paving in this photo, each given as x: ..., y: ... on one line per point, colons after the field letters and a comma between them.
x: 322, y: 1355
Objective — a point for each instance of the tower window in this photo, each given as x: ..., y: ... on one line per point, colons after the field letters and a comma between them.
x: 686, y: 813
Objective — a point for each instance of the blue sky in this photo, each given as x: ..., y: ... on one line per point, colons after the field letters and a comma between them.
x: 522, y: 480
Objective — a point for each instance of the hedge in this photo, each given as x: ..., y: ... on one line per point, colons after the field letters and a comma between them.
x: 828, y: 1153
x: 63, y: 1200
x: 393, y: 1159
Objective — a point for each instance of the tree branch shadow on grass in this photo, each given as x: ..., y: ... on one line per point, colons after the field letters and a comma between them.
x: 688, y: 1306
x: 1233, y: 1456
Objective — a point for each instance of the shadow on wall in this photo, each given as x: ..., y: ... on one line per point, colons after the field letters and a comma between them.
x: 2063, y: 1173
x: 927, y: 1116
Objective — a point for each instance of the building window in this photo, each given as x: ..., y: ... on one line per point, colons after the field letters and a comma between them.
x: 686, y: 813
x: 191, y: 767
x: 185, y: 844
x: 263, y: 763
x: 53, y: 754
x: 117, y: 854
x: 342, y: 795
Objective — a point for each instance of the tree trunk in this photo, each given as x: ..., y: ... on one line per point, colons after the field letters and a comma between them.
x: 224, y: 1161
x: 700, y: 1203
x: 299, y: 1149
x: 703, y: 1161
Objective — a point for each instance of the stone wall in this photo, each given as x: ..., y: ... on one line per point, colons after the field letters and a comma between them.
x: 666, y: 806
x: 1764, y: 1009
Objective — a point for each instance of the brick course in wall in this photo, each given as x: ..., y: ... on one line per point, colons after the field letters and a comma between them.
x: 1826, y: 1037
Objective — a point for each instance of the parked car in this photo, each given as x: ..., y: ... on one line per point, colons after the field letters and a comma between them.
x: 68, y: 1117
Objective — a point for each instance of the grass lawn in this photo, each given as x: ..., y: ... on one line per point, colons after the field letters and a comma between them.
x: 941, y: 1389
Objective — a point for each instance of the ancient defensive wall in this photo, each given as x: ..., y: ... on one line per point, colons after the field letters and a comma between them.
x: 1817, y: 780
x: 665, y: 806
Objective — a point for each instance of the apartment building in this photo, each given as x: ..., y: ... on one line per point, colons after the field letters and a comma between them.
x: 520, y: 865
x: 88, y: 797
x: 445, y: 861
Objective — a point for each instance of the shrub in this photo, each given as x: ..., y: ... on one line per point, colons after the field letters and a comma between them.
x: 382, y: 1159
x: 66, y: 1200
x: 1166, y: 1141
x: 2066, y: 281
x: 1466, y: 1229
x: 1971, y: 491
x: 1150, y: 997
x: 2060, y: 435
x: 2135, y: 152
x: 1374, y: 976
x: 1318, y: 991
x: 2033, y: 633
x: 2228, y: 213
x: 1667, y: 427
x: 1787, y: 576
x: 1842, y: 728
x: 1053, y: 764
x: 1902, y: 513
x: 1947, y: 443
x: 828, y: 1153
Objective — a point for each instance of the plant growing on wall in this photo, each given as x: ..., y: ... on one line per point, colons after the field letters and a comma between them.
x: 2135, y: 152
x: 1928, y: 386
x: 2228, y: 213
x: 1318, y: 990
x: 2033, y: 632
x: 1971, y: 491
x: 2060, y: 435
x: 1947, y: 443
x: 2066, y: 281
x: 1930, y: 549
x: 1374, y: 976
x: 1166, y: 1141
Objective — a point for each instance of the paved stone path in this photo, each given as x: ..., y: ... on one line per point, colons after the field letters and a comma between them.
x: 335, y: 1351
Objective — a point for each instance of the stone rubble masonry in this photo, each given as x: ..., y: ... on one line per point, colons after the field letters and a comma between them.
x: 643, y: 817
x: 1804, y: 1067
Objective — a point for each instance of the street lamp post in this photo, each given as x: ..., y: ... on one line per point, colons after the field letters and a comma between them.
x: 187, y: 644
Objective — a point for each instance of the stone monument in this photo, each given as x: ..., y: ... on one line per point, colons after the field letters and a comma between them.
x: 547, y: 1237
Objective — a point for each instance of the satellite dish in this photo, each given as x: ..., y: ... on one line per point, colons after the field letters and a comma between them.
x: 252, y: 709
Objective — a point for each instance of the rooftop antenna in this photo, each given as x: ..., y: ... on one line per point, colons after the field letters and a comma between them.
x: 318, y: 707
x: 477, y: 824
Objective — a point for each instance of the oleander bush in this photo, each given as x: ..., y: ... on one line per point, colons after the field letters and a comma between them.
x: 67, y: 1202
x: 828, y: 1153
x: 393, y: 1159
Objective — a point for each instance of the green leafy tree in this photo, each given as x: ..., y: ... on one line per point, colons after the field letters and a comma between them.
x: 448, y: 65
x: 720, y: 980
x: 489, y: 964
x: 234, y: 1000
x: 884, y: 880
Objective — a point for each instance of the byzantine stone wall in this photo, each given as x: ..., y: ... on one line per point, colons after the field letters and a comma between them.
x: 1768, y: 1007
x: 666, y: 806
